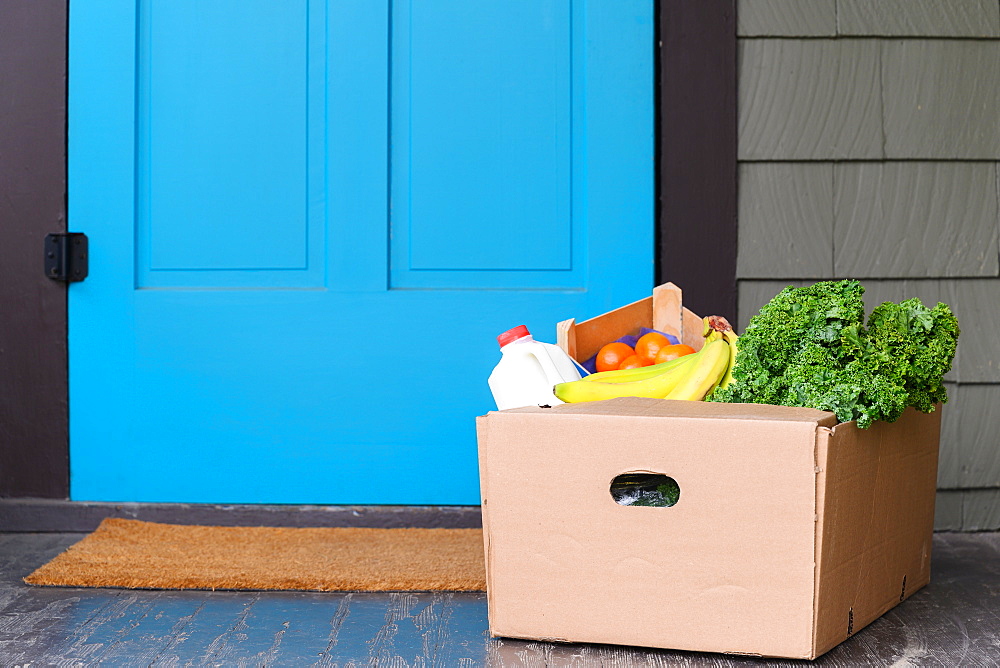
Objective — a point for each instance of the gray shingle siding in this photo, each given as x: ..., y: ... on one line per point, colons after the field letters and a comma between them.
x: 785, y: 213
x: 948, y: 511
x: 796, y: 18
x: 865, y: 18
x: 868, y: 219
x: 967, y: 510
x: 941, y: 98
x: 809, y: 100
x: 918, y: 18
x: 915, y: 219
x: 869, y: 147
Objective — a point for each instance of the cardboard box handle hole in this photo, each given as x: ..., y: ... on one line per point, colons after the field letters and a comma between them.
x: 652, y: 490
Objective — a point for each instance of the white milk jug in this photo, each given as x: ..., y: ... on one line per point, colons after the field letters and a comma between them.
x: 528, y: 370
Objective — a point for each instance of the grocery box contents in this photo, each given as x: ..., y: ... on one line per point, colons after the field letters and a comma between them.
x: 808, y: 347
x: 785, y: 501
x: 669, y: 372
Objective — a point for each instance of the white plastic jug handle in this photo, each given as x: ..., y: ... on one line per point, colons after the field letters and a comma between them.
x: 548, y: 366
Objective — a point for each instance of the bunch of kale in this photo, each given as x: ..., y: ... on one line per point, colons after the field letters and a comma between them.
x: 810, y: 347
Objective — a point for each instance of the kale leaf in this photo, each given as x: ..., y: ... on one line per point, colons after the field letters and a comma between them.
x: 914, y: 346
x: 809, y: 347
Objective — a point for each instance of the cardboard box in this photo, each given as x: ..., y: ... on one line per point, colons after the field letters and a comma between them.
x: 791, y: 532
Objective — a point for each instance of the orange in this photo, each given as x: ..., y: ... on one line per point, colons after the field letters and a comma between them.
x: 650, y: 344
x: 612, y: 355
x: 634, y: 362
x: 672, y: 352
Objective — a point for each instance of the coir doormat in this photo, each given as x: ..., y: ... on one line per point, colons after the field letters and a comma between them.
x: 145, y: 555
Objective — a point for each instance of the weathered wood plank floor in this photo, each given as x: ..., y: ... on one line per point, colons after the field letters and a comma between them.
x: 953, y: 622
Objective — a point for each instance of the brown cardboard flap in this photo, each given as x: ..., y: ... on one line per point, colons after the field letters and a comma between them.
x: 875, y: 509
x: 637, y: 406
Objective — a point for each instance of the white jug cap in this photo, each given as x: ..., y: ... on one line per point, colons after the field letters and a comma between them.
x: 512, y: 335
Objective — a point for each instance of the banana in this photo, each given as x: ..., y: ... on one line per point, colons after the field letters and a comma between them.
x: 731, y: 337
x: 627, y: 375
x: 655, y: 387
x: 699, y: 379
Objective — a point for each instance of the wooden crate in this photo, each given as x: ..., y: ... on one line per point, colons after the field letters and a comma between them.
x: 663, y: 311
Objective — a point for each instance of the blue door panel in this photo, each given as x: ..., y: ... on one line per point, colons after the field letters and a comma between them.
x: 309, y: 220
x: 226, y: 143
x: 482, y: 142
x: 216, y: 126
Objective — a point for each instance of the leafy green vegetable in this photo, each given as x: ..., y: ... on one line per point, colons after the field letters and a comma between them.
x: 663, y: 496
x: 809, y: 347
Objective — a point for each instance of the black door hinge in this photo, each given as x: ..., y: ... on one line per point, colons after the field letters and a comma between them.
x: 66, y: 256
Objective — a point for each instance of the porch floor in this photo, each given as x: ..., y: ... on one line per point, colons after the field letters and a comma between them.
x: 955, y: 621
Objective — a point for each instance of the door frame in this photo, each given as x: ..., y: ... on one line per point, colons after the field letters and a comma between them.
x: 34, y: 412
x: 696, y: 173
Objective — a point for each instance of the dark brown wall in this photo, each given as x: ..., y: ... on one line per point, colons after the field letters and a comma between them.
x: 697, y: 149
x: 33, y: 391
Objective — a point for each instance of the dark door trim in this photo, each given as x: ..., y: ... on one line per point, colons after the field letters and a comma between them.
x: 34, y: 418
x: 696, y: 213
x: 697, y: 153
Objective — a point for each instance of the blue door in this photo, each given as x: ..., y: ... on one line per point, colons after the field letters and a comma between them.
x: 309, y: 220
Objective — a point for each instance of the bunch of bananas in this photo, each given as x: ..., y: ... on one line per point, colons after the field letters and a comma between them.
x: 691, y: 377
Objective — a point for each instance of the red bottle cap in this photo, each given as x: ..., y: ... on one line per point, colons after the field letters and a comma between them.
x: 513, y: 335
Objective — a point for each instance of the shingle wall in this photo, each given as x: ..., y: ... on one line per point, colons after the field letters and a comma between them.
x: 869, y: 143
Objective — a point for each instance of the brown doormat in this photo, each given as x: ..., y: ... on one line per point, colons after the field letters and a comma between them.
x: 145, y: 555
